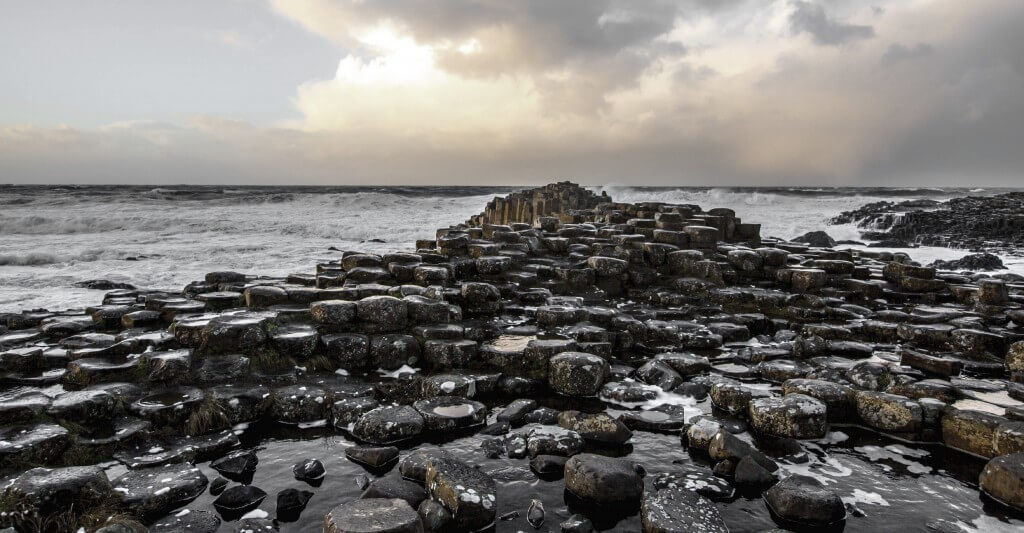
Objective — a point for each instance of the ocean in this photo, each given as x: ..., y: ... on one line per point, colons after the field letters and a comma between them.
x: 54, y: 237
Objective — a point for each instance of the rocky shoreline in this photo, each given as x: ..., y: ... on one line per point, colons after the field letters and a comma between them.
x: 557, y: 327
x: 976, y: 223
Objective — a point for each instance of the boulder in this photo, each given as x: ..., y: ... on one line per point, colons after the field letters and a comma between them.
x: 388, y: 425
x: 805, y: 501
x: 376, y: 515
x: 469, y: 494
x: 680, y: 511
x: 601, y: 480
x: 889, y: 412
x: 794, y: 415
x: 153, y: 492
x: 55, y: 490
x: 445, y: 413
x: 1003, y: 480
x: 577, y: 373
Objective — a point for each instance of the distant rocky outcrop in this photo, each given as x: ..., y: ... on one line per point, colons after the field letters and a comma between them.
x: 983, y: 261
x: 979, y: 223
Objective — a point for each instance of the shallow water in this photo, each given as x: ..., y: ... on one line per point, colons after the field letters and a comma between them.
x: 888, y: 484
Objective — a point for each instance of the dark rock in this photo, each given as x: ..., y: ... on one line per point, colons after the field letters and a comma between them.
x: 577, y: 373
x: 470, y: 495
x: 395, y: 486
x: 157, y: 491
x: 795, y: 415
x: 191, y: 520
x: 434, y: 515
x: 52, y: 491
x: 373, y: 515
x: 238, y: 500
x: 603, y: 480
x: 973, y: 262
x: 388, y: 425
x: 309, y: 470
x: 805, y: 501
x: 817, y: 239
x: 374, y: 457
x: 446, y: 413
x: 679, y: 510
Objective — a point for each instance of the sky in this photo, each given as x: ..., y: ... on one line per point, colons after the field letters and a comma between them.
x: 494, y: 92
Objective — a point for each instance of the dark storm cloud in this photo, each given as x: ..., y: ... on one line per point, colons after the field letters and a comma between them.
x: 812, y: 19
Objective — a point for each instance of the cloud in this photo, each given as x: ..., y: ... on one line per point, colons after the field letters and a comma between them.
x: 811, y: 19
x: 898, y: 52
x: 694, y: 92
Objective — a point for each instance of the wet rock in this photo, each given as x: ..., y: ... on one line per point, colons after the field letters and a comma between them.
x: 347, y: 411
x: 52, y: 491
x: 685, y: 364
x: 679, y: 510
x: 515, y: 412
x: 169, y: 406
x: 395, y: 486
x: 1003, y: 480
x: 553, y: 441
x: 445, y: 353
x: 839, y: 399
x: 236, y: 465
x: 445, y: 413
x: 542, y: 415
x: 333, y: 312
x: 385, y: 313
x: 156, y: 491
x: 238, y: 500
x: 733, y: 397
x: 659, y: 373
x: 970, y: 431
x: 78, y: 406
x: 350, y: 351
x: 309, y: 470
x: 296, y: 404
x: 42, y: 443
x: 750, y: 476
x: 218, y: 485
x: 795, y: 415
x: 234, y: 332
x: 817, y: 239
x: 695, y: 479
x: 434, y: 515
x: 388, y: 425
x: 414, y: 465
x: 548, y: 465
x: 726, y: 446
x: 192, y: 520
x: 599, y: 427
x: 373, y: 515
x: 374, y: 457
x: 889, y: 412
x: 700, y: 432
x: 391, y: 352
x: 470, y: 495
x: 805, y: 501
x: 23, y: 407
x: 601, y: 480
x: 449, y: 385
x: 577, y: 373
x: 577, y: 523
x: 663, y: 419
